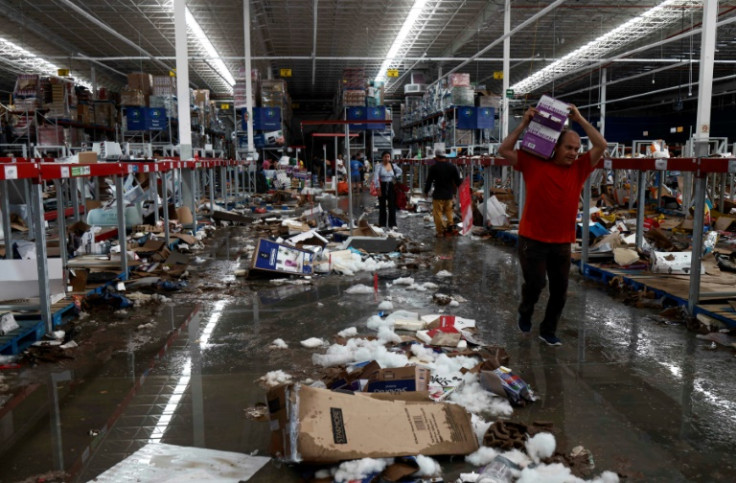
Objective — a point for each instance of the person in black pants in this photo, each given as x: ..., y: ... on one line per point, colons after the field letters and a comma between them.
x: 446, y: 179
x: 385, y: 175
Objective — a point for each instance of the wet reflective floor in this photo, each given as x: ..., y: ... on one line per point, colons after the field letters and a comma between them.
x: 648, y: 399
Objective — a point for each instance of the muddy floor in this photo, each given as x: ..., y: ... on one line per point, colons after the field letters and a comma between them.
x: 648, y: 399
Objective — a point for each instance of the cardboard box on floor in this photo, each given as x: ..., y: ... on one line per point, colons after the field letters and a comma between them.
x: 322, y: 426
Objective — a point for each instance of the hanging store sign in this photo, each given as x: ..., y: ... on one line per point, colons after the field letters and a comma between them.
x: 392, y: 73
x: 285, y: 72
x: 63, y: 72
x: 498, y: 74
x: 509, y: 93
x: 224, y: 106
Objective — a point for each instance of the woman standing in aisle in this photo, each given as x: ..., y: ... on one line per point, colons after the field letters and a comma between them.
x: 385, y: 175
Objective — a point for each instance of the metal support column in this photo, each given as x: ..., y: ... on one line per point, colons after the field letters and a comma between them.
x: 75, y: 184
x: 39, y: 234
x: 122, y: 239
x: 7, y: 230
x: 153, y: 186
x: 61, y: 221
x: 694, y: 292
x: 722, y: 194
x: 223, y: 185
x: 211, y: 172
x: 640, y: 194
x: 487, y: 180
x: 189, y: 196
x: 165, y: 179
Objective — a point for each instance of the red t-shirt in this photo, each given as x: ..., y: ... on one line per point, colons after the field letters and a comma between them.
x: 552, y: 194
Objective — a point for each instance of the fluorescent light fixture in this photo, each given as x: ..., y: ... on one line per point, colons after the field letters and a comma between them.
x: 29, y: 62
x: 215, y: 60
x: 414, y: 13
x: 653, y: 20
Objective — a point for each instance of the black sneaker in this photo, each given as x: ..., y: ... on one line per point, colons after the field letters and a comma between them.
x: 525, y: 326
x: 550, y: 340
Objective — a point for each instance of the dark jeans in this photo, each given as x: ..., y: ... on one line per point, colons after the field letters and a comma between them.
x: 387, y: 203
x: 541, y: 261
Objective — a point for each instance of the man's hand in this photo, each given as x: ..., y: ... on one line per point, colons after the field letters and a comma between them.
x: 528, y: 115
x: 575, y: 115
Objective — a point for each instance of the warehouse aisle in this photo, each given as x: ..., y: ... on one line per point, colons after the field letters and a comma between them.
x: 648, y: 399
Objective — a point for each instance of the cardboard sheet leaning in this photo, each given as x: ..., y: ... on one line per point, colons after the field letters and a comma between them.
x: 322, y: 426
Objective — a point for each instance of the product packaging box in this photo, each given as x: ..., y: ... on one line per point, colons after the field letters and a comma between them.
x: 544, y: 130
x: 676, y: 263
x: 400, y: 379
x: 321, y: 426
x: 87, y: 157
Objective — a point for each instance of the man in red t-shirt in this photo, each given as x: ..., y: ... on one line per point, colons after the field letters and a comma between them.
x: 547, y: 227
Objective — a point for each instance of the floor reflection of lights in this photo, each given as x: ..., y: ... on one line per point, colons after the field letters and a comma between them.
x: 182, y: 384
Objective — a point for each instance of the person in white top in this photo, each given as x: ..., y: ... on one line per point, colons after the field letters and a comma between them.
x: 386, y: 175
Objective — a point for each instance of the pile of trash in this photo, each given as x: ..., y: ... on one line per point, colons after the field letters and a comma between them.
x: 421, y: 385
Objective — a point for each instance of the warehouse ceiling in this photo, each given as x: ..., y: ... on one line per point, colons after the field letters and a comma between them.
x: 317, y: 39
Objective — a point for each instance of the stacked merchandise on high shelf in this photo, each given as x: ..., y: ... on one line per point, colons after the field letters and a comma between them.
x: 462, y: 94
x: 374, y: 94
x: 105, y: 112
x: 353, y: 87
x: 275, y: 113
x: 136, y: 101
x: 239, y: 90
x: 27, y: 92
x: 164, y: 95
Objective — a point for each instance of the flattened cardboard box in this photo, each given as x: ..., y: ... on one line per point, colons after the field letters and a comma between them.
x: 322, y: 426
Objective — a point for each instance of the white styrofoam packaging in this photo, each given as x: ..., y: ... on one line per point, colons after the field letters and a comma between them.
x: 677, y: 263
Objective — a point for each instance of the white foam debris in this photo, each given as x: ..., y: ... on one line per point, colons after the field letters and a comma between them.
x: 482, y: 456
x: 359, y: 289
x: 278, y: 344
x: 349, y: 332
x: 404, y: 281
x: 359, y: 469
x: 386, y: 335
x: 541, y: 446
x: 430, y: 286
x: 443, y: 273
x: 313, y: 342
x: 475, y: 399
x: 375, y: 322
x: 275, y: 378
x: 359, y: 349
x: 386, y: 305
x: 428, y: 466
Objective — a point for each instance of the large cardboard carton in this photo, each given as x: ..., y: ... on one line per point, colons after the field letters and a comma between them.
x: 322, y: 426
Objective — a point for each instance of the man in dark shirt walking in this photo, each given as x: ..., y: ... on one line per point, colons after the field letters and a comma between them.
x: 446, y: 179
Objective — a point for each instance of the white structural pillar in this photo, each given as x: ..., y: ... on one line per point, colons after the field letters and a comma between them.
x: 702, y: 133
x: 586, y: 188
x: 182, y: 80
x: 248, y: 80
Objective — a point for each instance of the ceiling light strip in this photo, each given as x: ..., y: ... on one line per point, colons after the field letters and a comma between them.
x: 215, y: 61
x: 652, y: 20
x: 30, y: 62
x: 414, y: 23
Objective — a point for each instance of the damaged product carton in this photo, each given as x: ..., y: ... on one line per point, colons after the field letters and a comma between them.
x: 321, y: 426
x: 675, y: 263
x: 399, y: 379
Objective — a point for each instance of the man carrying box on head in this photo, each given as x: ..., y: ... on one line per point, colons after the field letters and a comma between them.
x: 547, y: 226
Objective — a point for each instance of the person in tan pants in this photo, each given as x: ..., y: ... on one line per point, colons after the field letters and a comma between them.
x: 445, y: 178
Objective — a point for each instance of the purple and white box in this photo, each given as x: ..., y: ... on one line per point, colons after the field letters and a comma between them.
x: 545, y: 128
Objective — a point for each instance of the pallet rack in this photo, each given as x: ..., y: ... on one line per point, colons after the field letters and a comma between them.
x: 35, y: 172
